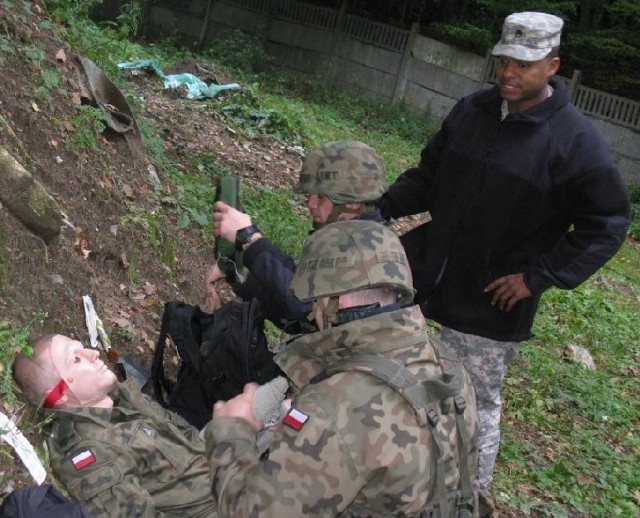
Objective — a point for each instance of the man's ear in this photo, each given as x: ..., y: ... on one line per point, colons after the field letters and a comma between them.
x: 554, y: 65
x: 56, y: 397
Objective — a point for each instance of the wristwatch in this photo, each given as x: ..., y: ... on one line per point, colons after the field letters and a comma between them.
x: 243, y: 236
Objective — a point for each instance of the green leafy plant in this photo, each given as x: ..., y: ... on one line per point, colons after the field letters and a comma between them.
x: 123, y: 333
x: 6, y: 48
x: 154, y: 225
x: 13, y: 339
x: 464, y: 35
x: 246, y: 112
x: 88, y: 124
x: 49, y: 78
x: 634, y: 228
x: 34, y: 55
x: 128, y: 21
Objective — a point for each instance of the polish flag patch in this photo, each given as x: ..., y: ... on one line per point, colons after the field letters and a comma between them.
x: 83, y: 459
x: 295, y: 419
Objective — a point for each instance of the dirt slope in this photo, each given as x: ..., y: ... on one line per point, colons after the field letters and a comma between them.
x: 100, y: 252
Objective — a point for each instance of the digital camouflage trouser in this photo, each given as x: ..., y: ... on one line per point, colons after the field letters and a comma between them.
x: 486, y: 361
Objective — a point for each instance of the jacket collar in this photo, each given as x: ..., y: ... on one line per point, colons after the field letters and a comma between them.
x: 491, y: 100
x: 400, y: 334
x: 102, y: 416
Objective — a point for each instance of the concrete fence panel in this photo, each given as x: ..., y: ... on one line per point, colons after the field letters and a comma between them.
x: 385, y: 62
x: 449, y: 58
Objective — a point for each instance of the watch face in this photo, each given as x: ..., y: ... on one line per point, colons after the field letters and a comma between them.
x: 244, y: 235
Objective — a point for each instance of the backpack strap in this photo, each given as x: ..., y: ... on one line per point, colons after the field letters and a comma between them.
x: 423, y: 396
x: 176, y: 324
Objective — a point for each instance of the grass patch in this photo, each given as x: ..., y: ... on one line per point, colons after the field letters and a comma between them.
x: 570, y: 433
x: 634, y: 229
x: 280, y: 214
x: 12, y: 340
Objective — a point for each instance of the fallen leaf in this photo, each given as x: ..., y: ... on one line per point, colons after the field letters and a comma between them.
x: 121, y: 322
x: 82, y: 242
x: 35, y: 107
x: 149, y: 289
x: 53, y: 143
x: 61, y: 55
x: 128, y: 191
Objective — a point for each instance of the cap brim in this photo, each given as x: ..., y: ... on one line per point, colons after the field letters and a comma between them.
x: 520, y: 52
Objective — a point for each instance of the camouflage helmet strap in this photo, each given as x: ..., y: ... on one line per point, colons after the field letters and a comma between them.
x: 328, y: 311
x: 337, y: 210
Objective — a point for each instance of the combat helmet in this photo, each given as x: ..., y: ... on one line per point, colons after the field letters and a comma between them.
x: 349, y: 256
x: 345, y: 171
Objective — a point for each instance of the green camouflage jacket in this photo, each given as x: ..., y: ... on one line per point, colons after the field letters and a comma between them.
x: 133, y: 460
x: 353, y: 446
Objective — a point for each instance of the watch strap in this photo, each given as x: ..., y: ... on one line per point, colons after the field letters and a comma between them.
x: 243, y: 236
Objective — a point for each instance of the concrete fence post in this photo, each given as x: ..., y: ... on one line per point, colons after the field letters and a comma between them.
x: 146, y: 23
x: 576, y: 78
x: 401, y: 80
x: 205, y: 25
x: 488, y: 69
x: 330, y: 67
x: 271, y: 9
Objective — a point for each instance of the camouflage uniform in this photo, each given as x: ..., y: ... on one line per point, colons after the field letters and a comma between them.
x: 362, y: 451
x: 486, y: 362
x: 133, y: 460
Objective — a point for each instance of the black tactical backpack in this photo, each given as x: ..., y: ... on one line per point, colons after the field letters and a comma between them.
x: 219, y: 353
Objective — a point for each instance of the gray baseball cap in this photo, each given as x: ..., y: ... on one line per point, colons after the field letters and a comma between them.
x: 529, y: 36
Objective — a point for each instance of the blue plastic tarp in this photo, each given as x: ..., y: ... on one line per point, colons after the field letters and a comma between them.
x: 196, y: 88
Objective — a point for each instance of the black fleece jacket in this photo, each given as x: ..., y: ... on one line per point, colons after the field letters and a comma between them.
x: 536, y: 193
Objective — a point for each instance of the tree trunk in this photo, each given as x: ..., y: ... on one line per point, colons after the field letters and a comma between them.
x: 27, y: 199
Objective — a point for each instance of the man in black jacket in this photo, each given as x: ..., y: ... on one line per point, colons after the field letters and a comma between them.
x: 342, y: 180
x: 523, y: 195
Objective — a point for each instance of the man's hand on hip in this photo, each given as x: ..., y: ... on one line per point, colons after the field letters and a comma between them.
x: 508, y: 291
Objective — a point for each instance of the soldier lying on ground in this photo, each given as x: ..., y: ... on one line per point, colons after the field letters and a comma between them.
x: 116, y: 451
